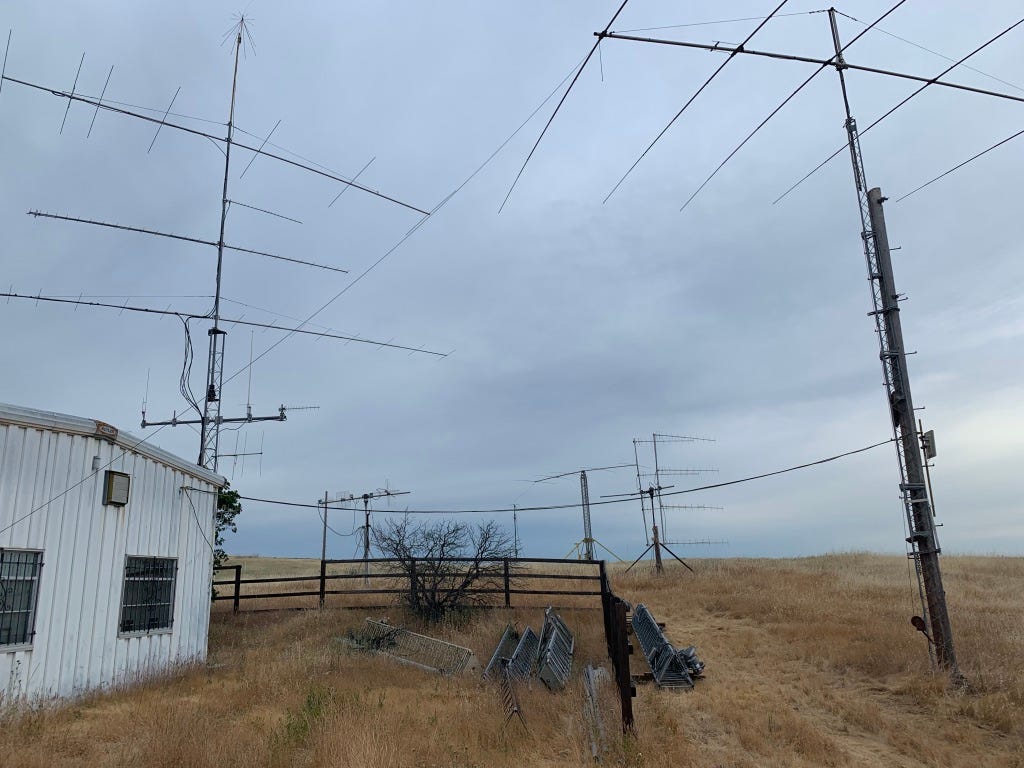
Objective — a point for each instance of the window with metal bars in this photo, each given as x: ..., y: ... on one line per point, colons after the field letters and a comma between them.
x: 19, y: 592
x: 147, y: 600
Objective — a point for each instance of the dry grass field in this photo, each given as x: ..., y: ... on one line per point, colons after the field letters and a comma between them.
x: 810, y: 662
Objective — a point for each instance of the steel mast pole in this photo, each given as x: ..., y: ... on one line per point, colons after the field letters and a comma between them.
x: 657, y: 485
x: 323, y: 543
x: 366, y: 539
x: 515, y: 530
x: 209, y: 437
x: 655, y: 542
x: 588, y: 535
x: 923, y: 541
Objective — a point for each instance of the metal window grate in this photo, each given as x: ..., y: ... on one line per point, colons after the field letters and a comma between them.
x: 147, y: 601
x: 19, y: 590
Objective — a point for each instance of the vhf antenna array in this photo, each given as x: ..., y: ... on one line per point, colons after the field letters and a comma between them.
x: 385, y: 493
x: 922, y: 541
x: 660, y: 471
x: 210, y: 418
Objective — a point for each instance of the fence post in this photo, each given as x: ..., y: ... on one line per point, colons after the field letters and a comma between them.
x: 606, y: 597
x: 508, y: 594
x: 238, y: 588
x: 622, y: 676
x: 323, y: 582
x: 412, y: 583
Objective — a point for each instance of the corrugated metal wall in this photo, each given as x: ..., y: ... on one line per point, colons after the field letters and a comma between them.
x: 84, y: 543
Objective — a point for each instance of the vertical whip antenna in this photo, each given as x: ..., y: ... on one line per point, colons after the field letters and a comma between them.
x: 211, y: 421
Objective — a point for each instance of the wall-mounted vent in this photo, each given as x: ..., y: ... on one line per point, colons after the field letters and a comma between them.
x: 115, y: 488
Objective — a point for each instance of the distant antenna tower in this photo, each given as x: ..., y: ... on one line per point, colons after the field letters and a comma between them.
x: 515, y: 530
x: 657, y: 538
x: 366, y: 499
x: 660, y: 472
x: 584, y: 548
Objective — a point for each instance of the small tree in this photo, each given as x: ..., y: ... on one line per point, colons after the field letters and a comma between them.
x: 438, y: 588
x: 228, y: 508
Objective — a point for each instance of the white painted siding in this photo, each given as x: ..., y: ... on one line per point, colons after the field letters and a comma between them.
x: 46, y: 477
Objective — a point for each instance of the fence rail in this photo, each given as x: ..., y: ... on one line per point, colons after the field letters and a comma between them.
x: 505, y: 577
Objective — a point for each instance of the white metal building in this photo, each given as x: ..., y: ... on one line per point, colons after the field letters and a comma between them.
x: 105, y: 556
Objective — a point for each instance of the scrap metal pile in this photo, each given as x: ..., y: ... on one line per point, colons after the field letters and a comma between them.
x: 519, y: 657
x: 671, y: 668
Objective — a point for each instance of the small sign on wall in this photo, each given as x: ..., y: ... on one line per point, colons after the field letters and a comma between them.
x: 115, y: 488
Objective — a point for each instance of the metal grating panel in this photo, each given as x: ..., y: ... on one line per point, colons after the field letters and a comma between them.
x: 509, y: 699
x: 506, y: 647
x: 521, y: 664
x: 671, y: 668
x: 556, y: 647
x: 420, y: 650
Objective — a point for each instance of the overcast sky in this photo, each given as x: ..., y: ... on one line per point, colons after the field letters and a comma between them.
x: 576, y: 326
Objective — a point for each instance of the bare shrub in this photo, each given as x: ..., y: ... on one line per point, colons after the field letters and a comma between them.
x: 439, y: 587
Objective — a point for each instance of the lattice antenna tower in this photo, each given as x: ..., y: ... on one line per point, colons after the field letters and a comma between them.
x: 584, y: 548
x: 210, y: 418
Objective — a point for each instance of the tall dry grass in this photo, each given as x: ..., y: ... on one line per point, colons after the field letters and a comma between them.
x: 815, y: 659
x: 810, y: 662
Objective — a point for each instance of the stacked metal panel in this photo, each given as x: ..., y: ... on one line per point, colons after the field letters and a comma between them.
x: 671, y: 668
x: 419, y: 650
x: 506, y: 647
x: 556, y: 648
x: 523, y: 657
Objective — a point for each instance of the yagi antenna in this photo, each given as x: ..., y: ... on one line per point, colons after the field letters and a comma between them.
x: 658, y: 536
x: 210, y: 419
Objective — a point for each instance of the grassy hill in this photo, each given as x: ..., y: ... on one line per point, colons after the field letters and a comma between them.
x: 810, y: 662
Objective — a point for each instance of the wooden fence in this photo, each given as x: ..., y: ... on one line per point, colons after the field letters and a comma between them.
x: 506, y: 579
